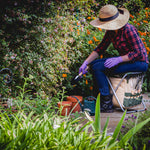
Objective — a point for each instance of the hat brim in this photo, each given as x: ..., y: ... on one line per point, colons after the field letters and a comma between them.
x: 115, y: 24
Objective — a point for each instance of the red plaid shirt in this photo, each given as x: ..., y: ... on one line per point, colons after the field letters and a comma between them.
x: 127, y: 41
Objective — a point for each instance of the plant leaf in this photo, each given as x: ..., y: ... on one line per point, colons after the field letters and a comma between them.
x: 105, y: 129
x: 117, y: 130
x: 97, y: 124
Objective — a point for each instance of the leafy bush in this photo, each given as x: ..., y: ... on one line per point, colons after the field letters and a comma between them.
x: 42, y: 42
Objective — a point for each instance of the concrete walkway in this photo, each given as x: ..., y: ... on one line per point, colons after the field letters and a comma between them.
x: 115, y: 117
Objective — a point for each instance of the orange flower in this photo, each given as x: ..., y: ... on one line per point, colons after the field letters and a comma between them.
x: 91, y: 88
x: 99, y: 29
x: 146, y: 8
x: 144, y: 33
x: 86, y: 82
x: 78, y: 32
x: 94, y: 18
x: 146, y: 13
x: 101, y: 56
x: 131, y: 16
x: 147, y: 52
x: 78, y: 24
x: 84, y: 75
x: 145, y: 21
x: 95, y: 39
x: 88, y: 17
x: 64, y: 75
x: 88, y: 32
x: 145, y: 44
x: 143, y: 39
x: 148, y: 49
x: 90, y: 42
x: 138, y: 24
x: 134, y: 21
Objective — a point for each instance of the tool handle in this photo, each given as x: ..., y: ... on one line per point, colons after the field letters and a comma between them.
x: 80, y: 74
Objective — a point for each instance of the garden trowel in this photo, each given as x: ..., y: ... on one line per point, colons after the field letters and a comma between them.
x: 78, y: 77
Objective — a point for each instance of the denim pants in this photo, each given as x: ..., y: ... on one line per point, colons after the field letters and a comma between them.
x: 100, y: 72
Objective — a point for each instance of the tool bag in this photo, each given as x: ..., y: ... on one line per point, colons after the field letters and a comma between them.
x: 129, y: 91
x: 89, y: 104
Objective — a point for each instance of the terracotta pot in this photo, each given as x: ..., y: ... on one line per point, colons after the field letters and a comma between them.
x: 75, y: 107
x: 66, y: 107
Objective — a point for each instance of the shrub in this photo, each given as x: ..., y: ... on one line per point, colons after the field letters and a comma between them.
x: 42, y: 42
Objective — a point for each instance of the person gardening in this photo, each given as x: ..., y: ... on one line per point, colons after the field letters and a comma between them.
x: 126, y: 40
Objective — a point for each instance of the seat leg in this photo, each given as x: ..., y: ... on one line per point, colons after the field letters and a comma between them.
x: 114, y: 93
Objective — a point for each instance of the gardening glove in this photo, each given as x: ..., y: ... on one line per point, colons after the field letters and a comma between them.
x: 83, y: 68
x: 111, y: 62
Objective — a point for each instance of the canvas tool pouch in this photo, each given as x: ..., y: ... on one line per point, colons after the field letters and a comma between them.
x: 128, y: 92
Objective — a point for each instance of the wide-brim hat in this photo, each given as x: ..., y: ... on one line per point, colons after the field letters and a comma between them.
x: 111, y: 18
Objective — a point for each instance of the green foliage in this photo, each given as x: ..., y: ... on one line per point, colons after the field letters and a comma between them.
x: 40, y: 41
x: 47, y: 132
x: 128, y: 134
x: 142, y: 137
x: 27, y: 101
x: 97, y: 123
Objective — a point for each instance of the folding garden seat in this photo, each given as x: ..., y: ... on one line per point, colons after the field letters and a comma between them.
x: 127, y: 91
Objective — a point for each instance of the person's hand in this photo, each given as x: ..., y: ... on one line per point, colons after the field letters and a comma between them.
x: 83, y: 68
x: 111, y: 62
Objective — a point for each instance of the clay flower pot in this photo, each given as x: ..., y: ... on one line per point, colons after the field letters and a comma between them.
x: 66, y: 107
x: 75, y: 107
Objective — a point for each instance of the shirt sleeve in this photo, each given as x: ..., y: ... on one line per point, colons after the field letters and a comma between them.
x: 135, y: 44
x: 104, y: 44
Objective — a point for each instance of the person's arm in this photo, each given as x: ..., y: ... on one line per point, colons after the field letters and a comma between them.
x: 135, y: 43
x: 100, y: 49
x: 92, y: 57
x: 97, y: 51
x: 125, y: 58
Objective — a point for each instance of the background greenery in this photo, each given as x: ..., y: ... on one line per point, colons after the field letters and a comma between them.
x: 47, y: 41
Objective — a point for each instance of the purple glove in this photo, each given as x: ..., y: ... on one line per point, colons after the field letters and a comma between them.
x: 83, y: 67
x: 111, y: 62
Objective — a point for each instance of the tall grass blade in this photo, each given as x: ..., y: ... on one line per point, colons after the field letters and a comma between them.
x: 104, y: 134
x: 97, y: 123
x: 117, y: 130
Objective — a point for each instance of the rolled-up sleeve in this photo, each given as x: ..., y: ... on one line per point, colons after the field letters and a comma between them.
x: 135, y: 44
x: 103, y: 45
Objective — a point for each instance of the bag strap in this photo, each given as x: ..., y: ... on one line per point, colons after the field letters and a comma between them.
x: 82, y: 108
x: 91, y: 97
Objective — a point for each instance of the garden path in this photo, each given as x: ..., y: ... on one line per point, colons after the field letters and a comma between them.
x: 115, y: 117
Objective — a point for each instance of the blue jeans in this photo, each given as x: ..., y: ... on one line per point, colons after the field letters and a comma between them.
x: 100, y: 72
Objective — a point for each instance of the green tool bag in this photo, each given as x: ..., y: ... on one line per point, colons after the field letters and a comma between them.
x: 129, y: 91
x: 89, y: 104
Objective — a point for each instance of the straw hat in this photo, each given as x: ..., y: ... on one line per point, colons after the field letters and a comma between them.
x: 111, y: 18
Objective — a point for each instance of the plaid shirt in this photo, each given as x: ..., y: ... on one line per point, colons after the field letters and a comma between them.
x: 127, y: 42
